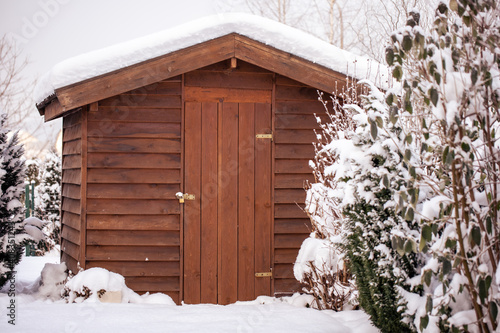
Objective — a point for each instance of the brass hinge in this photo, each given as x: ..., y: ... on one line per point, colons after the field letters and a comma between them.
x: 265, y: 136
x: 265, y: 274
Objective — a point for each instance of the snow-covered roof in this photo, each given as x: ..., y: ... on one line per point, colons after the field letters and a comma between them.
x: 266, y: 31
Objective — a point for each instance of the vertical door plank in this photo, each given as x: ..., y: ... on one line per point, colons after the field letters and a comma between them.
x: 209, y: 203
x: 263, y: 216
x: 192, y: 249
x: 246, y: 179
x: 228, y: 204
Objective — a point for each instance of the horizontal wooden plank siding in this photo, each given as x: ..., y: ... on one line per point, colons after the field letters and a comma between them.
x: 134, y: 171
x: 71, y: 190
x: 296, y: 111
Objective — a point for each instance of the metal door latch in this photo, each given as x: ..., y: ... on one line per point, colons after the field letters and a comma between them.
x: 184, y: 196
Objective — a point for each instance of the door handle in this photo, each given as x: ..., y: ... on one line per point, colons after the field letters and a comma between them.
x: 184, y: 196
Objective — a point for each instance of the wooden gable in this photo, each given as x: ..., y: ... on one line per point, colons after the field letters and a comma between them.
x: 232, y: 46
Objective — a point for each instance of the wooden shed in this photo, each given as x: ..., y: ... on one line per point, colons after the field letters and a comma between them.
x: 227, y: 122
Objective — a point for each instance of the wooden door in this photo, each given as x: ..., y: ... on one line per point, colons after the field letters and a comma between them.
x: 228, y: 226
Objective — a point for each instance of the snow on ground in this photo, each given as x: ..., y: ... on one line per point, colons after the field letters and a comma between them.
x: 32, y: 315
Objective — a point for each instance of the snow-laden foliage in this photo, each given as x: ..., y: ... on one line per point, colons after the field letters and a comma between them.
x: 48, y: 201
x: 417, y: 182
x: 367, y: 168
x: 320, y: 263
x: 12, y: 233
x: 449, y: 107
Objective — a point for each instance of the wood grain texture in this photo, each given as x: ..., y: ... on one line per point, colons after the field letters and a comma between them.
x: 133, y: 145
x: 132, y: 206
x: 292, y: 226
x: 246, y: 203
x: 285, y: 256
x: 71, y: 205
x: 72, y: 119
x: 288, y: 241
x: 295, y: 136
x: 133, y: 253
x: 132, y: 191
x: 293, y: 166
x: 228, y: 95
x: 137, y: 114
x: 284, y: 107
x: 134, y: 176
x: 70, y: 234
x: 83, y: 188
x: 289, y: 196
x: 153, y: 284
x: 134, y: 130
x: 133, y: 222
x: 192, y: 218
x: 72, y: 220
x: 134, y: 161
x: 291, y: 151
x: 71, y: 249
x: 297, y: 121
x: 143, y: 101
x: 294, y: 210
x: 72, y: 133
x: 286, y: 286
x: 228, y: 205
x: 52, y: 110
x: 263, y: 211
x: 292, y: 180
x: 209, y: 198
x: 291, y: 93
x: 229, y: 79
x: 71, y: 162
x: 72, y: 147
x: 139, y: 268
x: 133, y: 238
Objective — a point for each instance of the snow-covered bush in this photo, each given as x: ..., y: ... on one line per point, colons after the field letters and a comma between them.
x: 368, y: 167
x: 12, y: 233
x: 48, y: 201
x: 320, y: 263
x: 449, y: 107
x: 320, y: 268
x: 417, y: 181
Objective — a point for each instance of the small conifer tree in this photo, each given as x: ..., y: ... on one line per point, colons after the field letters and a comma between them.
x: 12, y: 234
x: 48, y: 201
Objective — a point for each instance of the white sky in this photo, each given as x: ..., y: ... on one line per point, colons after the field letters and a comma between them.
x: 49, y: 31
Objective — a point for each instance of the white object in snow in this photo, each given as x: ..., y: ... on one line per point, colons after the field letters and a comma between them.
x: 52, y: 281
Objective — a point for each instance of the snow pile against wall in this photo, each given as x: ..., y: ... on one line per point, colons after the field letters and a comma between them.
x: 269, y: 32
x: 317, y: 252
x: 52, y: 281
x: 91, y: 284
